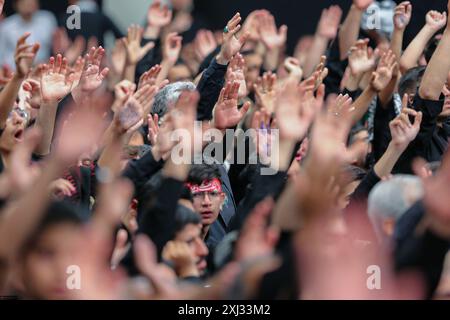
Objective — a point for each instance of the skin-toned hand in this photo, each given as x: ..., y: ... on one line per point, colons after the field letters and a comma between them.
x: 329, y: 22
x: 77, y: 70
x: 56, y: 83
x: 64, y: 46
x: 403, y: 132
x: 24, y: 55
x: 181, y: 256
x: 122, y: 91
x: 385, y: 70
x: 252, y: 23
x: 231, y: 43
x: 265, y: 91
x: 204, y: 44
x: 235, y: 72
x: 145, y: 96
x: 149, y: 77
x: 342, y: 103
x: 172, y: 47
x: 436, y: 20
x: 62, y: 188
x: 362, y: 58
x: 32, y: 88
x: 226, y: 112
x: 296, y: 107
x: 362, y: 4
x: 132, y: 43
x: 402, y: 15
x: 92, y: 76
x: 2, y: 3
x: 270, y: 36
x: 292, y: 65
x: 158, y: 15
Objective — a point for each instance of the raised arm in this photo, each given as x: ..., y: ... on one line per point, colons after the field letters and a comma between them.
x: 435, y: 21
x: 24, y: 57
x: 402, y: 17
x: 437, y: 70
x: 326, y: 32
x: 349, y: 32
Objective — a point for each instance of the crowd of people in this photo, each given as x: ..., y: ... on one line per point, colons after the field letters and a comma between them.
x: 333, y: 183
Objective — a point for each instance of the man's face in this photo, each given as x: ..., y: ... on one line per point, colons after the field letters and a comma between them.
x: 208, y: 199
x: 192, y: 236
x: 44, y: 268
x: 14, y: 130
x: 27, y: 7
x: 179, y: 73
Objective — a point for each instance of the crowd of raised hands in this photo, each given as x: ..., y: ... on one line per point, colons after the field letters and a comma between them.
x: 84, y: 135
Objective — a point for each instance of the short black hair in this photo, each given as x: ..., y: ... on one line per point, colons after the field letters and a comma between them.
x: 411, y: 80
x: 354, y: 173
x: 202, y: 172
x: 185, y: 216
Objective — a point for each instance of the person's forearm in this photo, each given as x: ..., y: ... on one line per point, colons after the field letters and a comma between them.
x: 152, y: 32
x: 387, y: 93
x: 361, y: 105
x: 271, y: 59
x: 7, y: 98
x: 349, y: 32
x: 46, y: 122
x: 397, y: 43
x: 164, y: 73
x: 437, y: 70
x: 317, y: 50
x: 384, y: 166
x: 352, y: 82
x: 413, y: 52
x: 175, y: 171
x: 130, y: 73
x: 113, y: 148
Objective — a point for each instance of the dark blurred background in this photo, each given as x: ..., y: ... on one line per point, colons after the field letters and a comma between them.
x: 300, y: 16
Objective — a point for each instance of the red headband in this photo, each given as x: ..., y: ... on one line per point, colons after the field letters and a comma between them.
x: 206, y: 186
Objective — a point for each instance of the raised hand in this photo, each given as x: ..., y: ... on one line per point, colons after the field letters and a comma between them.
x: 183, y: 259
x: 362, y: 4
x: 204, y: 44
x: 92, y: 76
x: 436, y: 20
x: 265, y: 92
x: 24, y: 55
x: 296, y: 108
x: 226, y: 112
x: 235, y: 72
x: 385, y: 70
x: 231, y: 43
x: 329, y: 22
x: 341, y: 104
x: 150, y: 77
x: 252, y: 23
x: 158, y: 15
x: 56, y: 82
x: 270, y: 36
x: 361, y: 58
x: 402, y: 15
x: 172, y: 48
x: 135, y: 52
x: 403, y: 132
